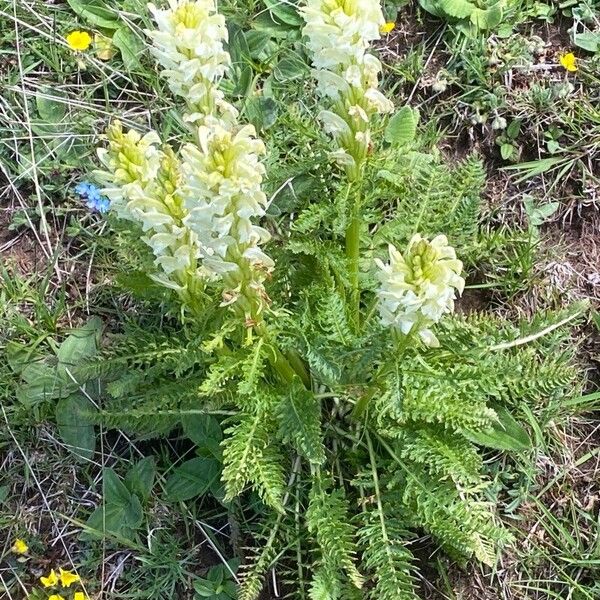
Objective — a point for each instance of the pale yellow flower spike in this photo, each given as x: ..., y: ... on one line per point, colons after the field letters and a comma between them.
x: 79, y: 40
x: 56, y: 597
x: 387, y: 27
x: 19, y: 547
x: 67, y: 578
x: 51, y: 580
x: 79, y: 596
x: 568, y: 61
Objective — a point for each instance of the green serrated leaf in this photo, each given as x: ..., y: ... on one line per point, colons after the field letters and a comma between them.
x: 487, y: 18
x: 193, y: 478
x: 588, y: 40
x: 506, y: 151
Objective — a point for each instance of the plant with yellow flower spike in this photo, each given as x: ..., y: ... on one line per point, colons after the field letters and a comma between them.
x: 79, y: 40
x: 79, y: 596
x: 56, y: 597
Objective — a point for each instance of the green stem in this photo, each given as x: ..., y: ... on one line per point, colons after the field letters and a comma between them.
x: 362, y: 403
x: 353, y: 254
x: 288, y: 368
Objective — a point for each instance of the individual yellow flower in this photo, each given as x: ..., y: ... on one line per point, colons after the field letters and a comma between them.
x: 568, y: 61
x: 79, y: 40
x: 56, y: 597
x: 51, y: 580
x: 20, y: 547
x: 79, y: 596
x: 387, y: 27
x: 67, y: 578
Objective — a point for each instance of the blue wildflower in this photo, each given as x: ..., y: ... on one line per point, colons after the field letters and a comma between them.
x: 83, y: 188
x: 94, y: 200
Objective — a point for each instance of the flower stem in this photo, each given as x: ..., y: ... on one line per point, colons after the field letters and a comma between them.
x: 353, y: 254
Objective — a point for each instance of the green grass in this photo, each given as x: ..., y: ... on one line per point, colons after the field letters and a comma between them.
x: 60, y: 264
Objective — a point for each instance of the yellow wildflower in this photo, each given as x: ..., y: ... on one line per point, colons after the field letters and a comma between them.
x: 20, y: 547
x: 79, y: 40
x: 51, y: 580
x: 387, y: 27
x: 79, y: 596
x: 55, y: 597
x: 568, y: 61
x: 67, y: 578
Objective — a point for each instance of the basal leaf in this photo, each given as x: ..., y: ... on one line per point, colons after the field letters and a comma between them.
x: 193, y: 478
x: 130, y: 46
x: 95, y: 12
x: 140, y: 478
x: 75, y: 426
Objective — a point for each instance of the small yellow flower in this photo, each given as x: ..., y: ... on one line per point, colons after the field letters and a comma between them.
x: 51, y: 580
x: 55, y: 597
x: 568, y: 61
x: 67, y: 578
x: 79, y: 596
x: 20, y: 547
x: 387, y: 27
x: 79, y: 40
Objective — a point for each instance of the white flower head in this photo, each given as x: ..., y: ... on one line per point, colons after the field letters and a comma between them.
x: 339, y: 31
x: 189, y: 45
x: 419, y: 287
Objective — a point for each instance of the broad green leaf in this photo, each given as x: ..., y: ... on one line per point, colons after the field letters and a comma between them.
x: 75, y: 426
x: 193, y: 478
x: 285, y: 11
x: 506, y: 151
x: 120, y: 519
x: 261, y: 112
x: 506, y: 434
x: 457, y: 8
x: 140, y: 478
x: 205, y: 432
x: 257, y: 42
x: 402, y: 127
x: 95, y: 12
x: 121, y: 512
x: 589, y: 40
x: 290, y: 67
x: 487, y: 18
x: 80, y: 344
x: 50, y: 104
x: 130, y: 46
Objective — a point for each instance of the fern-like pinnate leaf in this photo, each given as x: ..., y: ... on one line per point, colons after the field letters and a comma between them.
x: 251, y: 456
